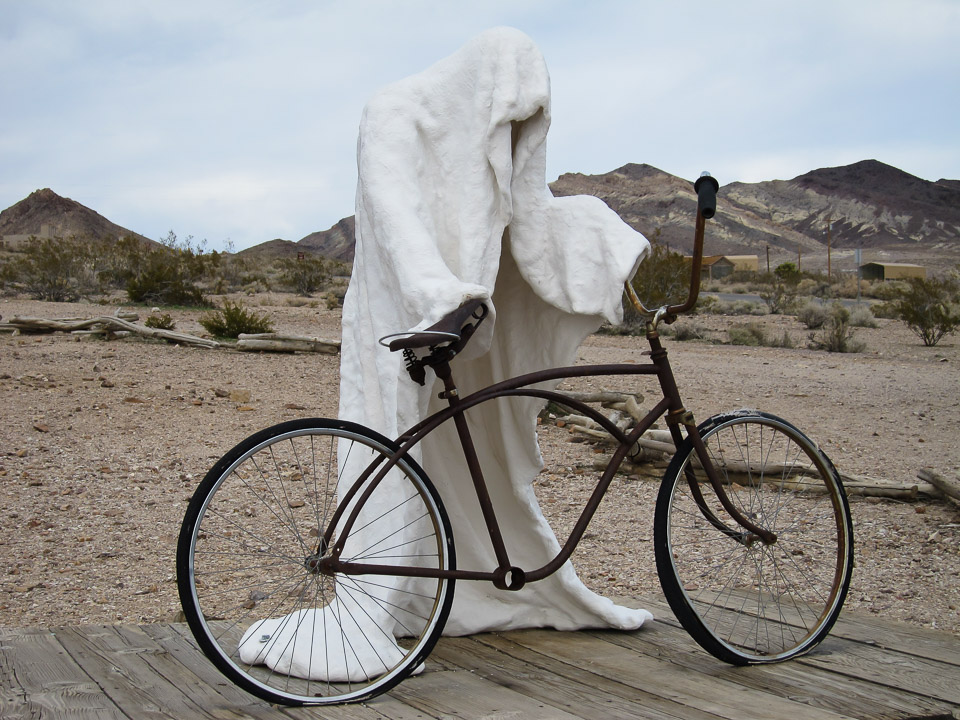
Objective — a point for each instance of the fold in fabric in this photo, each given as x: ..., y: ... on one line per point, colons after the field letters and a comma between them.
x: 452, y: 204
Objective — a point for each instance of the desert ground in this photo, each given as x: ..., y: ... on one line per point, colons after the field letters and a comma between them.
x: 103, y: 442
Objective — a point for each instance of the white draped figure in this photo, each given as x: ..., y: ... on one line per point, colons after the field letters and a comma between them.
x: 452, y: 204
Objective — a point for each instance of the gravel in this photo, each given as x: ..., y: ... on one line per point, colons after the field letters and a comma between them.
x: 102, y: 444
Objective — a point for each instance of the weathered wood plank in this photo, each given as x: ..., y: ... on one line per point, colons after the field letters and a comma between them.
x: 795, y: 680
x: 39, y: 679
x: 900, y: 637
x: 153, y: 653
x: 933, y: 679
x: 178, y: 641
x: 698, y: 690
x: 862, y: 628
x: 462, y: 693
x: 572, y: 689
x: 658, y: 672
x: 125, y: 677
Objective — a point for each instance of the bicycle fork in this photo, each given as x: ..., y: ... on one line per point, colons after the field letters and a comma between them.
x: 678, y: 416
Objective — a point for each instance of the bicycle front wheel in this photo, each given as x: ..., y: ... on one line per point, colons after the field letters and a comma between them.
x: 254, y: 593
x: 743, y: 600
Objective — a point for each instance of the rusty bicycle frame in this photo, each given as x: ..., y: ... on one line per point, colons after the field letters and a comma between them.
x: 507, y: 576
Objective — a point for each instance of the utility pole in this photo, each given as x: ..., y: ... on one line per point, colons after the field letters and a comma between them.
x: 829, y: 273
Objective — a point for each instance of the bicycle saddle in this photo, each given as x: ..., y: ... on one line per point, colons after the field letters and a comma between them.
x: 451, y: 328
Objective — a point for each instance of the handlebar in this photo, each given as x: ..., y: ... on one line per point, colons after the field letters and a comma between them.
x: 706, y: 187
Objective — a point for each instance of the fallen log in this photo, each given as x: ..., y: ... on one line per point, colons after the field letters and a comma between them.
x: 106, y: 324
x: 624, y: 402
x: 274, y: 342
x: 854, y: 485
x: 945, y: 485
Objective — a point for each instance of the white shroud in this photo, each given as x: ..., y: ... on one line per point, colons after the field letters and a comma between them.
x: 453, y: 204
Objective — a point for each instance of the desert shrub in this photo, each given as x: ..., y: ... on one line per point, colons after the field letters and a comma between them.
x: 706, y: 304
x: 55, y: 268
x: 163, y: 280
x: 929, y: 307
x: 783, y: 341
x: 662, y: 278
x: 751, y: 333
x: 887, y: 290
x: 160, y: 322
x: 780, y: 294
x: 737, y: 307
x: 885, y: 310
x: 836, y: 334
x: 862, y: 316
x: 816, y: 285
x: 229, y: 271
x: 303, y: 275
x: 234, y: 320
x: 686, y: 331
x: 740, y: 276
x: 813, y: 315
x: 7, y: 276
x: 167, y: 275
x: 788, y: 272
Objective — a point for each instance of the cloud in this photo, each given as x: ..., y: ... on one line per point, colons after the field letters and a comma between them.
x: 238, y: 119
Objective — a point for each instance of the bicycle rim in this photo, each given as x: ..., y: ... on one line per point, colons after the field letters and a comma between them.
x: 247, y: 557
x: 741, y: 599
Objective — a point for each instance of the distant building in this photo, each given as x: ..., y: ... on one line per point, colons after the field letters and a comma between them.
x: 892, y: 271
x: 715, y: 267
x: 12, y: 242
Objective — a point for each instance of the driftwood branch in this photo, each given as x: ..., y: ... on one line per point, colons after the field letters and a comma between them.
x: 944, y: 485
x: 106, y: 324
x: 624, y: 402
x: 273, y: 342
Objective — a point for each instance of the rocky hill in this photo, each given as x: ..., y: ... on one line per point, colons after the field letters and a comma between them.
x: 891, y: 214
x: 894, y: 215
x: 44, y: 213
x: 868, y: 204
x: 337, y: 243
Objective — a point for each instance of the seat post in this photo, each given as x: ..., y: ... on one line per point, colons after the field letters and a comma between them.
x: 450, y: 392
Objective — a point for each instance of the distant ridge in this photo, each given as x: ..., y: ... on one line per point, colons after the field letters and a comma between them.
x: 868, y: 204
x: 43, y: 212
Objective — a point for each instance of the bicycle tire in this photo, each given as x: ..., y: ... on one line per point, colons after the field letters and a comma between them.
x: 748, y: 602
x: 283, y: 632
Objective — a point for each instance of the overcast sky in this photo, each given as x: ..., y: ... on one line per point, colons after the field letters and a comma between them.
x: 236, y: 120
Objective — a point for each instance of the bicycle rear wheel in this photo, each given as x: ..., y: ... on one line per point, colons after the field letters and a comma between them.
x: 247, y: 566
x: 742, y: 600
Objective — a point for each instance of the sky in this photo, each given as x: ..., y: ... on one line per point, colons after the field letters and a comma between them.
x: 235, y: 121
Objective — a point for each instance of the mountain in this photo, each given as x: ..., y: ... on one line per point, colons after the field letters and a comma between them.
x: 336, y: 243
x: 891, y: 214
x: 44, y: 213
x: 869, y: 204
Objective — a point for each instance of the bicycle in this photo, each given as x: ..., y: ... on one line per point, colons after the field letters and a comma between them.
x: 753, y: 536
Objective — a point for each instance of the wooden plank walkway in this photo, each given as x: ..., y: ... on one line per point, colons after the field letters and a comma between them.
x: 867, y: 668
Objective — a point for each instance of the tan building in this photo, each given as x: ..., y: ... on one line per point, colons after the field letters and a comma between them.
x: 892, y: 271
x: 719, y: 266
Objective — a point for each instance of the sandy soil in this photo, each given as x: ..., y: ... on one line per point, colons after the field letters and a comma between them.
x: 102, y: 444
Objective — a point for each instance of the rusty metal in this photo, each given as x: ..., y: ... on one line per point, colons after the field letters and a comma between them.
x: 506, y: 576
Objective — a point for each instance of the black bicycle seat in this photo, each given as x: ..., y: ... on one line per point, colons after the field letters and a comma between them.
x: 449, y: 329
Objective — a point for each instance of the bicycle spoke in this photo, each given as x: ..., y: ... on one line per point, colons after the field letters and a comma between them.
x: 744, y: 600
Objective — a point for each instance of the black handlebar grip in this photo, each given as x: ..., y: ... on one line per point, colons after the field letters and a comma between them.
x: 706, y: 187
